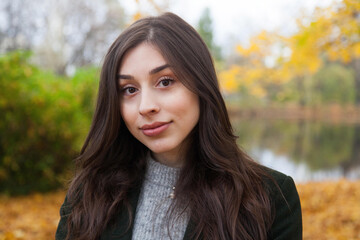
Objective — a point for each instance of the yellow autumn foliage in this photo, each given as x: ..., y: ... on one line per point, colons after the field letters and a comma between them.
x: 259, y: 66
x: 258, y: 91
x: 229, y: 79
x: 331, y: 210
x: 148, y: 7
x: 29, y: 218
x: 331, y: 33
x: 137, y: 16
x: 258, y: 45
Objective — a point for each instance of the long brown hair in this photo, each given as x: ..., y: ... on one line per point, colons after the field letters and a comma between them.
x: 222, y: 186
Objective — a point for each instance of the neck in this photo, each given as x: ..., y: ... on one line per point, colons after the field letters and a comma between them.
x: 175, y: 157
x: 168, y: 159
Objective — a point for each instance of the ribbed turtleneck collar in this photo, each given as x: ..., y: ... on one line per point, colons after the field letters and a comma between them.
x: 161, y: 174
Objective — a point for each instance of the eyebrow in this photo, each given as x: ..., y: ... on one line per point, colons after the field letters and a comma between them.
x: 152, y: 72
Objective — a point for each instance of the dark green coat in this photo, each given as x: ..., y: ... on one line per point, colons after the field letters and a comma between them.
x: 287, y: 224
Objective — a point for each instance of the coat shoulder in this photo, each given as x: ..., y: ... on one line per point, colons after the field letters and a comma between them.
x: 279, y: 177
x: 285, y: 200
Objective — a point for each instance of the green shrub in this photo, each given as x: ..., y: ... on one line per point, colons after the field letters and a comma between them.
x: 334, y: 83
x: 44, y: 121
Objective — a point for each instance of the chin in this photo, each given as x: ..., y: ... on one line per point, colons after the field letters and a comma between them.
x: 161, y: 149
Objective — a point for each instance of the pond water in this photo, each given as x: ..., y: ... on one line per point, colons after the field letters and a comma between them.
x: 304, y: 150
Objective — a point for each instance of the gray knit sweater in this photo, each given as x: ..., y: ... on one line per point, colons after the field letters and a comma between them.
x: 151, y: 220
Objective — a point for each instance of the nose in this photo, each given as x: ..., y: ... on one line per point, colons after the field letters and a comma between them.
x: 148, y: 104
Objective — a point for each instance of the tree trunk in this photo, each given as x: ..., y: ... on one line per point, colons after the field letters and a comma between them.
x: 354, y: 158
x: 356, y: 67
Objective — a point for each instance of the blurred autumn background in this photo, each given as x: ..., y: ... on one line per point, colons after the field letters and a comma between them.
x: 293, y: 92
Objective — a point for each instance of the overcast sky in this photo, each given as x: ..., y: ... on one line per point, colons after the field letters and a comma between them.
x: 236, y: 20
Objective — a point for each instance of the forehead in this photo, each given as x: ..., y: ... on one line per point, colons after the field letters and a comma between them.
x: 141, y: 58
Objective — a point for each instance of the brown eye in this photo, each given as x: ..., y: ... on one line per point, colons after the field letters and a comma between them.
x: 165, y: 82
x: 129, y: 90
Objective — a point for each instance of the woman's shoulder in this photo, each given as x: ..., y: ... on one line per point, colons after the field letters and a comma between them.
x: 285, y: 199
x: 65, y: 211
x: 281, y: 188
x: 276, y: 175
x: 276, y: 181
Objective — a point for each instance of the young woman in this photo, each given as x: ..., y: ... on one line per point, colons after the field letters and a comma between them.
x: 161, y: 160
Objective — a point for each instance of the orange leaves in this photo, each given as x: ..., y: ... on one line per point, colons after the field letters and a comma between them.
x: 331, y: 210
x: 33, y: 217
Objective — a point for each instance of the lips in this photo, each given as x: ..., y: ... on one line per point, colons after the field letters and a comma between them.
x: 154, y: 129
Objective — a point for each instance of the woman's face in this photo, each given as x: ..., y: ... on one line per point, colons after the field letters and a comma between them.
x: 156, y: 107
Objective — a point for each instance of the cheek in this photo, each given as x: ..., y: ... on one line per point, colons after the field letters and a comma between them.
x: 189, y: 109
x: 128, y: 114
x: 195, y: 109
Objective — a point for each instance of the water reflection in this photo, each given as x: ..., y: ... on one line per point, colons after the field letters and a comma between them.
x: 305, y: 150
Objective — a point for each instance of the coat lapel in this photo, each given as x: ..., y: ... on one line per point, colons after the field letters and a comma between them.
x: 189, y: 229
x: 117, y: 231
